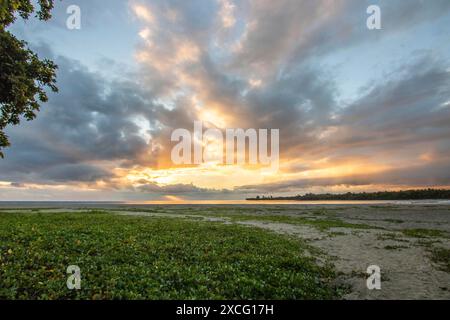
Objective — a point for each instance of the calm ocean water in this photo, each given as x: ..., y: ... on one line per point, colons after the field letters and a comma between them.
x: 114, y: 204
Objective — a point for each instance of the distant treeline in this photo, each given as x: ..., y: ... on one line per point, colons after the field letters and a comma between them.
x: 425, y: 194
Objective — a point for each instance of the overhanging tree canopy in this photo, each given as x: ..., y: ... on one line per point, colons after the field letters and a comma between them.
x: 23, y: 76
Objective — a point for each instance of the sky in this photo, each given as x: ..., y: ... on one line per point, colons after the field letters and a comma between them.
x: 357, y: 109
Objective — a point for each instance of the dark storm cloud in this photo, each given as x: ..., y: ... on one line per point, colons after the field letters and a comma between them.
x: 90, y: 119
x: 408, y: 111
x: 178, y: 189
x: 75, y: 172
x: 300, y: 103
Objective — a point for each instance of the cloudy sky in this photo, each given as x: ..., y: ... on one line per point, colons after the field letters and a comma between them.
x: 357, y: 109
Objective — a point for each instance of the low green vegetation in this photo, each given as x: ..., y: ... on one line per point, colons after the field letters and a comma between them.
x: 128, y: 257
x: 394, y: 220
x: 337, y: 233
x: 424, y: 233
x: 441, y: 257
x: 322, y: 223
x: 391, y: 236
x: 395, y: 247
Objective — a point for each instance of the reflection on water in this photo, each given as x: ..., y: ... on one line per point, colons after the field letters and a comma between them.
x: 115, y: 204
x: 317, y: 202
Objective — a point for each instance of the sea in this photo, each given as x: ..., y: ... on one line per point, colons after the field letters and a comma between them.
x: 118, y: 204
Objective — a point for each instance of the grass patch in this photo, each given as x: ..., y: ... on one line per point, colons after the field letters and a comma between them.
x: 322, y: 219
x: 394, y: 220
x: 337, y: 233
x: 441, y: 257
x: 391, y: 236
x: 427, y: 242
x: 383, y: 207
x: 424, y: 233
x: 395, y: 247
x: 325, y: 225
x: 127, y: 257
x: 319, y: 212
x: 319, y: 223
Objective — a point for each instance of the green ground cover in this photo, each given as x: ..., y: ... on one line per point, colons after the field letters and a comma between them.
x: 128, y: 257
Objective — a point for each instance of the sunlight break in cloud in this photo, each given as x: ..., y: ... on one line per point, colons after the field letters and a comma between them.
x: 356, y: 110
x: 227, y: 13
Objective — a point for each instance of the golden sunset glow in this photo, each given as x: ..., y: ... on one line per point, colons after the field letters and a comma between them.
x: 349, y: 114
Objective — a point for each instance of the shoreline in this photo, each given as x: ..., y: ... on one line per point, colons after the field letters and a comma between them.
x: 215, y: 203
